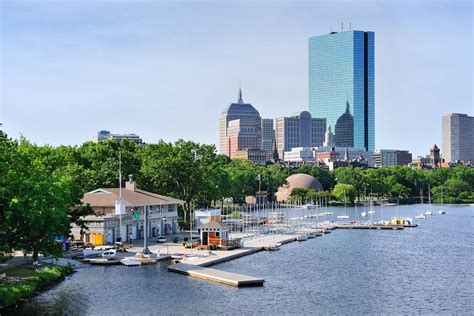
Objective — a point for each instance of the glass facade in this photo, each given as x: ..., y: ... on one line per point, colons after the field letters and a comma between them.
x: 341, y: 70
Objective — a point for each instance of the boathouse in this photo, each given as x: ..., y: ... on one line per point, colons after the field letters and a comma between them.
x: 119, y: 212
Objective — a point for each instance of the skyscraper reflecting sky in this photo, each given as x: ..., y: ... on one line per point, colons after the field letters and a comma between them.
x: 341, y: 70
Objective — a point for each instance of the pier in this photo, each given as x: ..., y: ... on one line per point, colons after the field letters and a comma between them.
x: 369, y: 226
x: 215, y: 275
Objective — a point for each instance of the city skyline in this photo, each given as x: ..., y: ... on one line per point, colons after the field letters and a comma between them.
x: 104, y: 69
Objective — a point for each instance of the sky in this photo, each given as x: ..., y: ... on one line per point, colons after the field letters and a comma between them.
x: 166, y: 70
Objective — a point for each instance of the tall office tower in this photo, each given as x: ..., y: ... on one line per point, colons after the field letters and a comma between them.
x: 244, y: 112
x: 458, y: 142
x: 298, y: 131
x: 268, y: 135
x: 341, y: 69
x: 242, y: 135
x: 344, y: 130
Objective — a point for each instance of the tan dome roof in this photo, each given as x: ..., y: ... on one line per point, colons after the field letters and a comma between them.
x: 303, y: 181
x: 299, y: 180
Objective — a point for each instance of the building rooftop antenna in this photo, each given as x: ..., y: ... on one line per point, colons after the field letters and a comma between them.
x: 342, y: 26
x: 350, y: 26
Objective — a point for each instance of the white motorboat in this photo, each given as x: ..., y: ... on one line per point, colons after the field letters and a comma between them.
x: 273, y: 246
x: 371, y: 212
x: 421, y: 216
x: 441, y: 212
x: 96, y: 251
x: 302, y: 237
x: 343, y: 216
x: 428, y: 213
x: 363, y: 214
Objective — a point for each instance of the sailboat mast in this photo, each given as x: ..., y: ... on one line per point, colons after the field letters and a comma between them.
x: 120, y: 196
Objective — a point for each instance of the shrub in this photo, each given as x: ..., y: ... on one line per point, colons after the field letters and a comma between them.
x: 11, y: 293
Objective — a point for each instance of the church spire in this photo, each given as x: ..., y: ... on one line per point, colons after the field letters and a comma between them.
x: 240, y: 100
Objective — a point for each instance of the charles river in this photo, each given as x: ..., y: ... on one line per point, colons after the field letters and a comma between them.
x: 423, y: 270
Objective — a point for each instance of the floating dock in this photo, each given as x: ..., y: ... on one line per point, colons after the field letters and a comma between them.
x: 374, y: 226
x: 214, y: 275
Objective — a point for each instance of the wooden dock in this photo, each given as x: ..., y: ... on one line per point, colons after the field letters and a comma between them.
x: 374, y: 226
x: 214, y: 275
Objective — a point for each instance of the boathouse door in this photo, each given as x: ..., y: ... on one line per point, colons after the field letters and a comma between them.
x: 204, y: 238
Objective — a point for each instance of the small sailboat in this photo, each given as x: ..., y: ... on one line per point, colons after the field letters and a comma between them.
x: 345, y: 216
x: 441, y: 211
x: 363, y: 214
x: 429, y: 212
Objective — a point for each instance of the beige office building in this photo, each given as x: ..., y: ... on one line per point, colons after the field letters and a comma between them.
x: 247, y: 115
x: 457, y: 137
x: 300, y: 130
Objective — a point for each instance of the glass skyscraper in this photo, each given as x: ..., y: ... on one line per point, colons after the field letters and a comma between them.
x: 341, y: 71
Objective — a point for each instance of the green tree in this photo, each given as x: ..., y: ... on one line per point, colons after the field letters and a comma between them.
x: 299, y: 194
x: 37, y: 203
x: 355, y: 177
x: 344, y: 192
x: 399, y: 190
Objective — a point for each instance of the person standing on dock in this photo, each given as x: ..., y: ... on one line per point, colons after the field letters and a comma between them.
x: 130, y: 239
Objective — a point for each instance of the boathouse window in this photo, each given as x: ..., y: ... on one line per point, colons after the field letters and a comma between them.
x: 217, y: 234
x: 170, y: 208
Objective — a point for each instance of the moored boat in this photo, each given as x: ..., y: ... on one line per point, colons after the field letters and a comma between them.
x: 273, y: 246
x: 302, y: 237
x: 96, y: 251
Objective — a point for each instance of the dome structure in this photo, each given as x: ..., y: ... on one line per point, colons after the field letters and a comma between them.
x: 297, y: 181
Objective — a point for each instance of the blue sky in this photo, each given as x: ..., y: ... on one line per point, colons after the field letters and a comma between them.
x: 165, y: 70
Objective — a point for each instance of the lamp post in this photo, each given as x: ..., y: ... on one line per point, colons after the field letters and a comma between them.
x: 167, y: 244
x: 145, y: 251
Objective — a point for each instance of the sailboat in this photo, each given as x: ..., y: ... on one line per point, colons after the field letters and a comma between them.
x: 345, y: 216
x: 371, y: 210
x: 429, y: 212
x: 421, y: 216
x: 441, y: 211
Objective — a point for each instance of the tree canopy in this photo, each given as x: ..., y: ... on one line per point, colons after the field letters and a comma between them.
x: 41, y: 186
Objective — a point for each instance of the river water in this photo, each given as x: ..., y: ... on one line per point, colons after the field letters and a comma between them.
x: 423, y: 270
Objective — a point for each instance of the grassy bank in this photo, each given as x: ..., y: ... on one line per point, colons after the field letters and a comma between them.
x: 22, y: 282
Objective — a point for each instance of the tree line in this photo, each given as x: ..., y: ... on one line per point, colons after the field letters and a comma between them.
x: 41, y: 186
